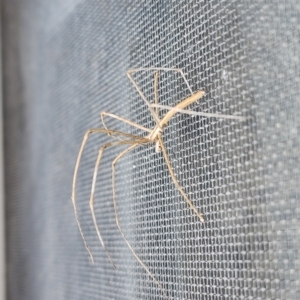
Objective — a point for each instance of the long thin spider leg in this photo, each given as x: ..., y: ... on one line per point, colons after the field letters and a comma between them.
x: 135, y: 84
x: 101, y: 150
x: 180, y: 189
x: 123, y: 120
x: 73, y: 197
x: 195, y: 113
x: 163, y: 69
x: 118, y: 221
x: 154, y: 115
x: 156, y: 75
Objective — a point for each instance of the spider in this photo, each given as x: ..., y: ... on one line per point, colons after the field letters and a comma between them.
x: 153, y: 136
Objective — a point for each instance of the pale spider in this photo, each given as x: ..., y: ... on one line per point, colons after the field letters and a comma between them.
x: 154, y: 136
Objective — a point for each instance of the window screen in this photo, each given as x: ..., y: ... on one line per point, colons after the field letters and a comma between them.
x: 65, y: 62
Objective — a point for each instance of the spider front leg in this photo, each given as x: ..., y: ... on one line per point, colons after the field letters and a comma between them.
x: 103, y: 114
x: 118, y: 221
x: 129, y: 72
x: 156, y: 76
x: 154, y: 112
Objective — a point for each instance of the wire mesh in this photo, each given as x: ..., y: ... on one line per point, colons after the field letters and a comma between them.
x: 65, y: 62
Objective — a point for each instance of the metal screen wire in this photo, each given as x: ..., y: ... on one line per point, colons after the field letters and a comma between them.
x: 65, y: 62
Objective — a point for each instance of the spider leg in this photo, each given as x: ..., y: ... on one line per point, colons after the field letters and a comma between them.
x: 178, y: 186
x: 156, y: 75
x: 103, y: 114
x: 163, y: 69
x: 196, y: 113
x: 139, y: 90
x: 73, y: 197
x: 118, y: 221
x: 152, y: 111
x: 101, y: 150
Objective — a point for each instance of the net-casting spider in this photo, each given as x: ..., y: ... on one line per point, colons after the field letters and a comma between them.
x: 154, y: 136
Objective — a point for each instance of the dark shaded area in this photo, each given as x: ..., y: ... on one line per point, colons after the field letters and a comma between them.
x: 64, y: 62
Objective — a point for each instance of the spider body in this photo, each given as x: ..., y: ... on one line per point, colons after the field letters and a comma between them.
x: 158, y: 129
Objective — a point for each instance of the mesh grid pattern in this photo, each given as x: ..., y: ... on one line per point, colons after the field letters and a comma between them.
x: 65, y: 62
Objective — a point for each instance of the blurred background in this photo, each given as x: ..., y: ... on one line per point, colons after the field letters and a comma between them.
x: 64, y: 62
